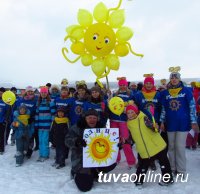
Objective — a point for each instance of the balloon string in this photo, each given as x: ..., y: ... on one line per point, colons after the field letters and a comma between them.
x: 113, y: 9
x: 108, y: 85
x: 64, y: 50
x: 102, y: 76
x: 136, y: 54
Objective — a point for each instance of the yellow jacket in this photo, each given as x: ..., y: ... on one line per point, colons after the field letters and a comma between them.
x: 148, y: 143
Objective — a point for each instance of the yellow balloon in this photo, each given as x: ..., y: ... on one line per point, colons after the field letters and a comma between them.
x: 84, y: 17
x: 100, y: 12
x: 112, y: 62
x: 75, y: 31
x: 78, y: 48
x: 116, y: 105
x: 124, y: 34
x: 117, y: 18
x: 98, y: 67
x: 9, y: 97
x: 121, y: 50
x: 86, y: 59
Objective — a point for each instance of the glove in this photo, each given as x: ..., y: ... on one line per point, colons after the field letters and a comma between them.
x: 80, y: 142
x: 119, y: 145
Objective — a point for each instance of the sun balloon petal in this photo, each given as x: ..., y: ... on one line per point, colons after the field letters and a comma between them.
x: 98, y: 67
x: 85, y: 18
x: 100, y: 12
x: 117, y: 18
x: 76, y: 31
x: 121, y: 50
x: 86, y: 59
x: 124, y: 34
x: 78, y: 48
x: 112, y: 61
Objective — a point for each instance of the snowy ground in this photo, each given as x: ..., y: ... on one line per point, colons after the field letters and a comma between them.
x: 42, y: 178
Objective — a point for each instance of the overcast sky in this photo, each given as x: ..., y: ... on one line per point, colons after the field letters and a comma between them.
x: 32, y: 35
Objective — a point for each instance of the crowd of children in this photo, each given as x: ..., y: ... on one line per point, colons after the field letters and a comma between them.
x: 59, y: 115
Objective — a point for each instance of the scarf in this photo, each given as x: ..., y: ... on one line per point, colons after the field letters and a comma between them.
x: 149, y: 94
x: 61, y: 120
x: 174, y: 90
x: 24, y: 119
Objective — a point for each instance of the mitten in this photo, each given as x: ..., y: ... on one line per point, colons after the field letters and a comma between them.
x: 80, y: 142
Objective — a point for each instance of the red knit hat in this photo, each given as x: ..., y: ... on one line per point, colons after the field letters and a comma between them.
x: 132, y: 107
x: 149, y: 79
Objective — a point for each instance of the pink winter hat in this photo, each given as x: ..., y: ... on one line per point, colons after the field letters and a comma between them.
x: 122, y: 81
x: 44, y: 89
x: 132, y: 107
x: 29, y: 88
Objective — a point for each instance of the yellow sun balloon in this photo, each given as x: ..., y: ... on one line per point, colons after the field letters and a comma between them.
x: 100, y: 148
x: 99, y: 39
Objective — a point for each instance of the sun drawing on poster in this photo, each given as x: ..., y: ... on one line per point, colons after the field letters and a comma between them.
x: 100, y: 148
x: 99, y: 43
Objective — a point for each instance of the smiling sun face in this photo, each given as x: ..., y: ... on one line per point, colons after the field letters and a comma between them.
x: 99, y: 39
x: 99, y: 44
x: 100, y: 148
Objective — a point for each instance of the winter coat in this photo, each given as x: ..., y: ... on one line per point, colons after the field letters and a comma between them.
x: 22, y: 129
x: 144, y: 103
x: 44, y: 115
x: 59, y: 129
x: 100, y: 107
x: 3, y: 109
x: 76, y: 109
x: 179, y: 110
x: 31, y: 106
x: 148, y: 142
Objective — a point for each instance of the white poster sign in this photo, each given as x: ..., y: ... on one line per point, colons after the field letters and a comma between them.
x: 102, y: 147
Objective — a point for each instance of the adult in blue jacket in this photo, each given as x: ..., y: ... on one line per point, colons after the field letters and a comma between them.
x: 178, y: 113
x: 3, y: 110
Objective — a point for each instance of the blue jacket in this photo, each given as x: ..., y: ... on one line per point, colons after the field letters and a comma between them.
x: 144, y: 104
x: 44, y: 115
x: 63, y: 102
x: 30, y: 104
x: 178, y: 112
x: 21, y: 130
x: 54, y: 96
x: 3, y: 110
x: 76, y: 109
x: 100, y: 108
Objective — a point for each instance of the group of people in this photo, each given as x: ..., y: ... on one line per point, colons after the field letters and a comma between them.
x: 59, y: 115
